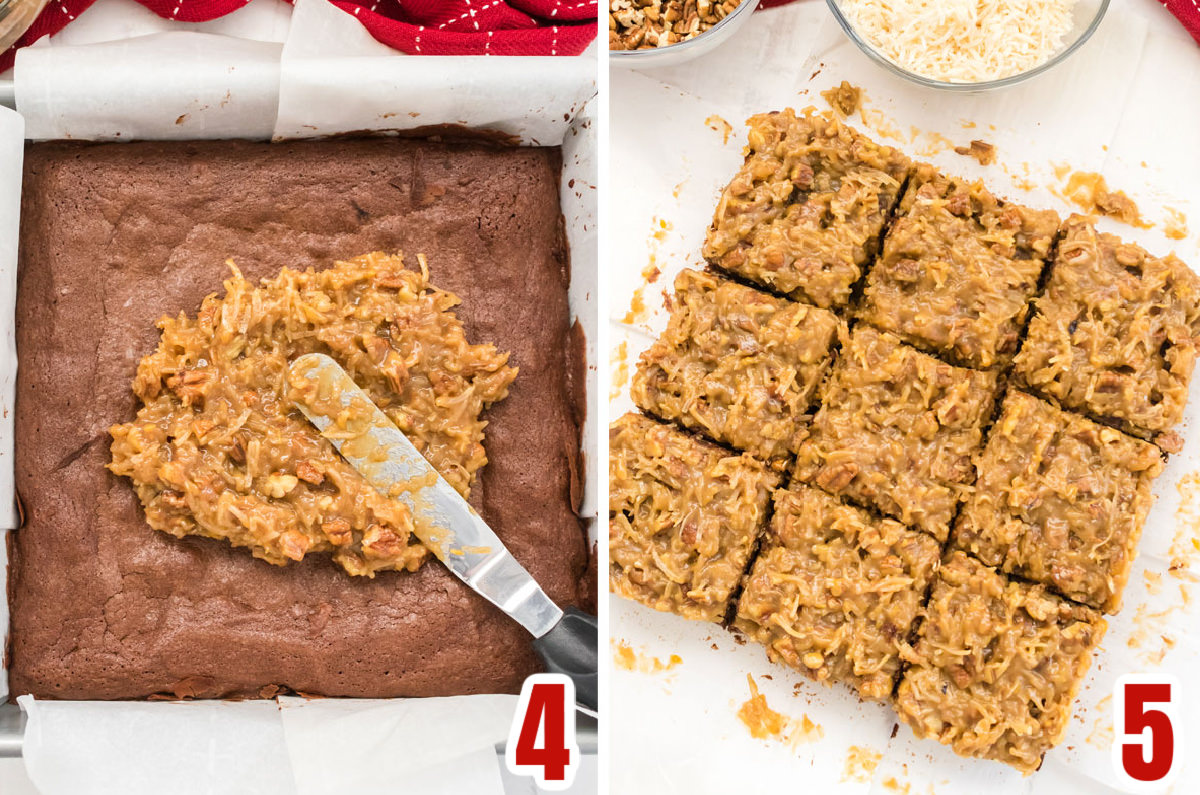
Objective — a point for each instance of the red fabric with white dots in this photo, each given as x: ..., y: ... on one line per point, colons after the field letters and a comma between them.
x: 1187, y: 12
x: 478, y: 27
x: 428, y: 27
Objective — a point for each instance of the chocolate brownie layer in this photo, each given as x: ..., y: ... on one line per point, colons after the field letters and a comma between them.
x: 115, y: 236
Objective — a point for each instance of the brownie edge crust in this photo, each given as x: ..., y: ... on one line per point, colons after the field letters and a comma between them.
x: 114, y: 236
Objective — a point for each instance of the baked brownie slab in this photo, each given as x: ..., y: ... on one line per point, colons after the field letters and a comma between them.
x: 1114, y: 335
x: 115, y: 236
x: 1061, y: 500
x: 835, y: 590
x: 684, y: 515
x: 804, y: 214
x: 737, y: 365
x: 958, y: 269
x: 997, y: 665
x: 897, y: 429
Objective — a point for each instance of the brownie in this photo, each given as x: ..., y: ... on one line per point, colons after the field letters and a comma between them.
x: 683, y: 517
x: 835, y: 590
x: 997, y: 664
x: 1060, y: 500
x: 1114, y: 335
x: 737, y: 365
x: 805, y: 213
x: 897, y: 429
x: 958, y: 269
x: 113, y: 237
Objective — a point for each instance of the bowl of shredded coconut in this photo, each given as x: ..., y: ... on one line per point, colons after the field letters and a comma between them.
x: 969, y: 45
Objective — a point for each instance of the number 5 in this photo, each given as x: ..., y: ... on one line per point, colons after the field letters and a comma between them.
x: 546, y: 711
x: 1146, y: 740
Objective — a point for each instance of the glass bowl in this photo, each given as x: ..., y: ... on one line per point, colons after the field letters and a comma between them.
x: 15, y: 18
x: 688, y: 49
x: 1086, y: 17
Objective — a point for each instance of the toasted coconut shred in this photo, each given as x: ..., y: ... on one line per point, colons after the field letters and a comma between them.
x: 219, y: 450
x: 963, y: 41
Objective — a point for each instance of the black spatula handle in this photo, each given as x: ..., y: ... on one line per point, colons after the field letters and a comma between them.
x: 570, y: 648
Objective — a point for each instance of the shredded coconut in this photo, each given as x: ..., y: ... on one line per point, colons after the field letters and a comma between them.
x: 963, y: 41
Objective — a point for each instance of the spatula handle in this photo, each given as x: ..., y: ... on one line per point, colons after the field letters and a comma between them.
x: 570, y: 648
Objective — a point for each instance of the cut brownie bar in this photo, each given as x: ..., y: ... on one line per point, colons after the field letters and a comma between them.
x: 1114, y: 335
x: 804, y: 214
x: 684, y: 515
x: 959, y: 267
x: 738, y: 365
x: 997, y: 665
x: 836, y: 590
x: 897, y: 429
x: 1061, y: 500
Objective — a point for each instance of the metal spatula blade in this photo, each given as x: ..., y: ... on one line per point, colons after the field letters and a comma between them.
x: 443, y: 520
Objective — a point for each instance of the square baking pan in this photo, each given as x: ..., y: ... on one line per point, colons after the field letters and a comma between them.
x: 578, y: 205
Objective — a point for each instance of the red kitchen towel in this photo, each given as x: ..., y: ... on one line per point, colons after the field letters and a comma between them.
x: 1187, y: 12
x: 429, y: 27
x: 478, y: 27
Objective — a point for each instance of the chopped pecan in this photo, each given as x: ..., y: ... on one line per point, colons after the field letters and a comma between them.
x: 308, y: 472
x: 836, y: 477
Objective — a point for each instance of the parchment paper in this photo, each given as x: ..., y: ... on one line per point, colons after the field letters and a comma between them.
x: 12, y: 153
x: 531, y: 98
x: 1128, y: 106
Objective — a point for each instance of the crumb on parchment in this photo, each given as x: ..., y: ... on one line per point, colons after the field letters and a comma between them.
x: 765, y: 723
x: 982, y: 151
x: 718, y: 124
x: 627, y: 658
x: 845, y: 99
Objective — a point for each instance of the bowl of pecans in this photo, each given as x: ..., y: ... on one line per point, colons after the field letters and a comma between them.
x: 644, y: 33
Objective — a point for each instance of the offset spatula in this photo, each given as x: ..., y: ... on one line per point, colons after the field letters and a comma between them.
x: 443, y: 520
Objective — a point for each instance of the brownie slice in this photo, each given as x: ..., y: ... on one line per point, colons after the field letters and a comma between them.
x: 804, y: 214
x: 115, y: 236
x: 835, y: 590
x: 1060, y: 500
x: 737, y: 365
x: 684, y: 516
x: 1115, y: 333
x: 897, y: 429
x: 997, y: 665
x: 958, y: 269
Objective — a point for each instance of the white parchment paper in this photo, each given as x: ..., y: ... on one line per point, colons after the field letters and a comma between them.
x: 12, y: 152
x: 1127, y: 106
x: 328, y: 50
x: 92, y: 747
x: 432, y: 744
x: 204, y: 86
x: 235, y: 81
x: 294, y: 747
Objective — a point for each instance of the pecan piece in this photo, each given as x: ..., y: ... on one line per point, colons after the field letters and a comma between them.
x: 309, y: 473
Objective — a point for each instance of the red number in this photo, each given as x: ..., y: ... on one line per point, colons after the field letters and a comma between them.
x: 1145, y: 735
x: 541, y: 742
x: 546, y: 707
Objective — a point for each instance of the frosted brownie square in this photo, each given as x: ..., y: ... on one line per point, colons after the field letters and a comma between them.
x: 958, y: 269
x: 737, y: 365
x: 1061, y: 500
x: 684, y: 516
x: 897, y: 429
x: 835, y: 591
x: 1114, y: 336
x: 997, y: 665
x: 804, y: 214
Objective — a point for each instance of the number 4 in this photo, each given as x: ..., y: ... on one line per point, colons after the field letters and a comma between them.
x: 546, y: 712
x: 1146, y: 737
